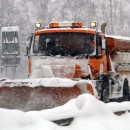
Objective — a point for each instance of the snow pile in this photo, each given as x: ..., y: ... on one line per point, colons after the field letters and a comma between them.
x: 84, y: 105
x: 57, y: 66
x: 88, y: 113
x: 53, y: 82
x: 46, y: 82
x: 119, y: 106
x: 42, y: 72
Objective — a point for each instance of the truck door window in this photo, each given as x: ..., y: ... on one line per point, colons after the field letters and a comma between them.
x: 36, y: 44
x: 99, y: 45
x: 92, y: 46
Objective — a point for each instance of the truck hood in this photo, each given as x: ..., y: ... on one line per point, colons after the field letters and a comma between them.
x: 48, y: 67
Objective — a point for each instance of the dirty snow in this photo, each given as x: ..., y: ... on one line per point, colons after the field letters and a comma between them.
x: 46, y: 82
x: 50, y: 82
x: 88, y: 113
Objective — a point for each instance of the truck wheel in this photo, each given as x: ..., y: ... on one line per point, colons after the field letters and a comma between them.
x: 105, y: 90
x: 126, y: 90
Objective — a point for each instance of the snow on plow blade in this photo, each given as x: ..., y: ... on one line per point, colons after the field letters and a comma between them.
x: 37, y: 94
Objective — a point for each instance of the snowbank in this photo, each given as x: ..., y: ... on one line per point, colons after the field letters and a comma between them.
x: 119, y: 106
x: 87, y: 111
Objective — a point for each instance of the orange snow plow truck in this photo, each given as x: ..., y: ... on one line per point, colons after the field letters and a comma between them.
x: 68, y: 59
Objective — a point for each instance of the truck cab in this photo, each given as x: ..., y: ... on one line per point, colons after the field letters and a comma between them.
x: 71, y: 50
x: 67, y: 45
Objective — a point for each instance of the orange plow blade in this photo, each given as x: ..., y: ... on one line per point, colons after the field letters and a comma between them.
x: 28, y: 95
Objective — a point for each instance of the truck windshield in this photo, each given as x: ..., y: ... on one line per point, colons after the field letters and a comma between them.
x: 64, y: 44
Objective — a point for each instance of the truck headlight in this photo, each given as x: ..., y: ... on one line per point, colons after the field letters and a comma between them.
x: 93, y: 24
x: 37, y: 25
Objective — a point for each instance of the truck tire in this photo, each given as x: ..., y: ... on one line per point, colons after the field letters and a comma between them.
x: 126, y: 95
x: 105, y: 90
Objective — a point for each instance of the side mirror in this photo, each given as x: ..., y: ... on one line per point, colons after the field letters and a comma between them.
x: 28, y: 44
x: 36, y: 44
x: 27, y: 51
x: 103, y: 26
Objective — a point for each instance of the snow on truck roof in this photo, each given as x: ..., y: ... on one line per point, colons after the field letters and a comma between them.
x: 67, y: 29
x: 118, y: 37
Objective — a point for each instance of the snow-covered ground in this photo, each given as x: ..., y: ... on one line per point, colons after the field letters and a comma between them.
x: 87, y: 111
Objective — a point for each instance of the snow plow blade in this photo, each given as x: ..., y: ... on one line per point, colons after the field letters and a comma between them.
x: 36, y: 94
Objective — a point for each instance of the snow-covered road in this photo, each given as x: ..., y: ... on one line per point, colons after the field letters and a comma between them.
x: 87, y: 111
